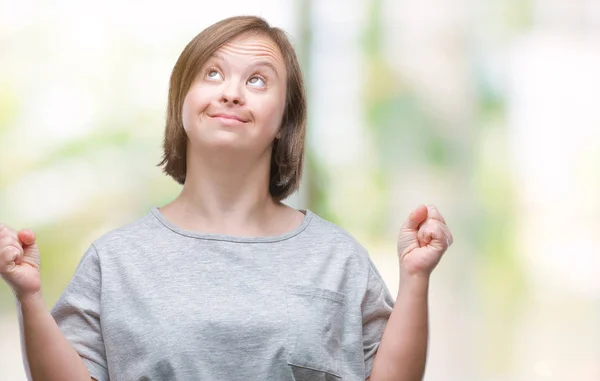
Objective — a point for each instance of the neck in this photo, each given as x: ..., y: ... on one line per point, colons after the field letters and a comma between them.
x: 226, y: 192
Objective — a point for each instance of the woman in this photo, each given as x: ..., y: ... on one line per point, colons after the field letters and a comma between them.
x: 226, y: 282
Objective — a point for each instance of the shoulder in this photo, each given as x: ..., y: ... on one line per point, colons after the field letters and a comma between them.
x: 139, y: 230
x: 326, y: 233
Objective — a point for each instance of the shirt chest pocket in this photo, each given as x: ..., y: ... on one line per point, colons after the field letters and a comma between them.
x: 316, y: 325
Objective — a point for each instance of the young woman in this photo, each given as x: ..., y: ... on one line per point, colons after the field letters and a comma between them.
x: 226, y: 282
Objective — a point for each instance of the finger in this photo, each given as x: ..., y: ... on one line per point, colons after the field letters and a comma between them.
x: 426, y: 232
x: 27, y: 237
x: 10, y: 254
x: 10, y: 241
x: 433, y: 232
x: 13, y: 246
x: 6, y: 230
x: 449, y: 239
x: 449, y: 235
x: 434, y: 213
x: 415, y: 218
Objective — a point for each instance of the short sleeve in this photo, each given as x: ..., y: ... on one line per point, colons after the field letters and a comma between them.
x: 376, y: 307
x: 77, y: 313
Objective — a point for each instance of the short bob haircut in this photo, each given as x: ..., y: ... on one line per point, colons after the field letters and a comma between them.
x: 288, y: 149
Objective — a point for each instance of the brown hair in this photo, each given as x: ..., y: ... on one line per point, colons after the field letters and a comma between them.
x: 288, y: 150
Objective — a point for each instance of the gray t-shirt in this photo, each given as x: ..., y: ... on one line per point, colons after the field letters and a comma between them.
x: 150, y: 301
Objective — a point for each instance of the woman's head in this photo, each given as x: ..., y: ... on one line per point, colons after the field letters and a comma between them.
x: 237, y: 85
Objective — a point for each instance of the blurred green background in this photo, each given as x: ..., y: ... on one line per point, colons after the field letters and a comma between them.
x: 487, y: 109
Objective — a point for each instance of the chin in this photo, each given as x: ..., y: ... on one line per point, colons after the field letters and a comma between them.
x: 223, y: 140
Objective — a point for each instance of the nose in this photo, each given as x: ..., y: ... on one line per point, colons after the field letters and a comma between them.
x: 232, y: 94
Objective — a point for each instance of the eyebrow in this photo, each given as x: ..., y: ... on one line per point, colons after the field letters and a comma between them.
x: 256, y: 64
x: 268, y: 65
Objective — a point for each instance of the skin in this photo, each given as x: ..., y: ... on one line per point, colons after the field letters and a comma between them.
x: 228, y: 161
x: 402, y: 353
x: 232, y: 114
x: 48, y: 356
x: 226, y: 189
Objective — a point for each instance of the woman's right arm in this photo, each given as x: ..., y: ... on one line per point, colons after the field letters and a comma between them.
x: 48, y: 354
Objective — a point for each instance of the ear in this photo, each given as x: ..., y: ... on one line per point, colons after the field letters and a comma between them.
x: 279, y: 133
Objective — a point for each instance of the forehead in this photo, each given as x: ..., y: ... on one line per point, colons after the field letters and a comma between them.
x: 252, y: 47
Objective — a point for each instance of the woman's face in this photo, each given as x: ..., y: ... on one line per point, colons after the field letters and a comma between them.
x: 238, y: 98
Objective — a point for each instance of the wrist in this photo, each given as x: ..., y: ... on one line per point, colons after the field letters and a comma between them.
x: 412, y: 275
x: 30, y: 299
x: 414, y: 281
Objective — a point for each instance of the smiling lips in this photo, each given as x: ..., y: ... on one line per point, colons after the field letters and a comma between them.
x: 228, y: 119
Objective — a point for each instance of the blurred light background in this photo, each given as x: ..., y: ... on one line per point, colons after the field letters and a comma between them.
x: 488, y: 109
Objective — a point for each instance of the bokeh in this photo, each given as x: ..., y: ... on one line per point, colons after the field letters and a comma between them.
x: 487, y: 109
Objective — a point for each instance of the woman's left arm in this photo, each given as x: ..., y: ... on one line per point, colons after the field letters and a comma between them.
x: 402, y: 353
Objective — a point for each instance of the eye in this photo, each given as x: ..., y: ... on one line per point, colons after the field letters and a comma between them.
x: 257, y: 81
x: 213, y: 73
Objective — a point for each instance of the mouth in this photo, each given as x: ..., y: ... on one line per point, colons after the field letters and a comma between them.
x: 228, y: 118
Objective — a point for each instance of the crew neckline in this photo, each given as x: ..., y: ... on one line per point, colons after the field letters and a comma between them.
x: 308, y: 215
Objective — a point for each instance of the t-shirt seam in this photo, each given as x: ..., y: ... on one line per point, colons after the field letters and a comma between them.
x: 369, y: 365
x: 95, y: 366
x: 365, y: 253
x: 250, y: 240
x: 97, y: 252
x: 371, y: 266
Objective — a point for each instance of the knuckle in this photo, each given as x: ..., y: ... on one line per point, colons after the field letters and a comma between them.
x: 7, y: 252
x: 9, y: 242
x: 7, y: 231
x: 14, y: 248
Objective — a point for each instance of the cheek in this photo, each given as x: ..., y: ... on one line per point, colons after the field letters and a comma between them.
x: 270, y: 115
x: 195, y: 102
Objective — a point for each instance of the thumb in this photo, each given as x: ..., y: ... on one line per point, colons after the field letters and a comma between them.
x: 416, y: 218
x: 27, y: 237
